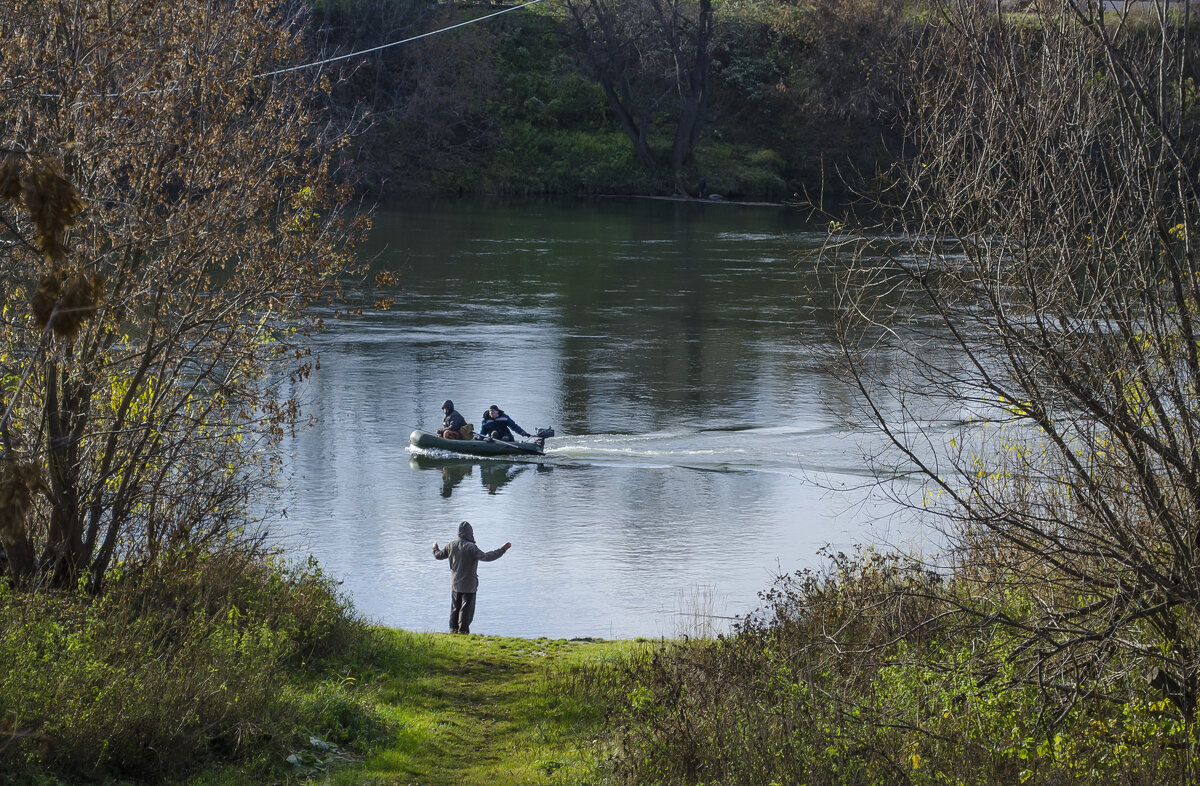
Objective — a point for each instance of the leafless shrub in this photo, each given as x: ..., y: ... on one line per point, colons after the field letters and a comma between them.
x: 1052, y: 214
x: 166, y: 216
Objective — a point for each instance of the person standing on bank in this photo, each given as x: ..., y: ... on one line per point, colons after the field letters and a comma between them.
x: 452, y: 423
x: 465, y: 557
x: 500, y: 426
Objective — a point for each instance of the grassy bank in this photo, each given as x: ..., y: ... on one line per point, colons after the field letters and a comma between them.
x: 873, y: 670
x: 233, y: 667
x: 473, y: 710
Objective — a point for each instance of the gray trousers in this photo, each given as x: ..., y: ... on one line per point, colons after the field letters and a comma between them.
x: 462, y: 611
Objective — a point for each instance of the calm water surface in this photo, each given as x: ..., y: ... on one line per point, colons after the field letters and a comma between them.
x: 676, y: 349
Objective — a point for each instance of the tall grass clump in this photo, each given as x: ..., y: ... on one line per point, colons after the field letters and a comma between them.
x: 878, y: 670
x: 174, y: 668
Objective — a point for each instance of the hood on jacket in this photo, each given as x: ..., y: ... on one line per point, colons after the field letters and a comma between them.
x: 465, y: 532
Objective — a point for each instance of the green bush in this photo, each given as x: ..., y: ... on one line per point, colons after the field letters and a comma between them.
x: 740, y: 173
x: 333, y: 709
x: 171, y: 669
x: 568, y: 162
x: 870, y: 673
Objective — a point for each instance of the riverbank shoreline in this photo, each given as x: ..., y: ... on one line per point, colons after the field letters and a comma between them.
x: 695, y: 200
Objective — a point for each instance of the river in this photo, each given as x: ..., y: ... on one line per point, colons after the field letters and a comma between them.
x: 679, y: 352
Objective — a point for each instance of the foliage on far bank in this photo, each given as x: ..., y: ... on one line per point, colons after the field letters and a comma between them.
x: 804, y: 98
x: 799, y: 98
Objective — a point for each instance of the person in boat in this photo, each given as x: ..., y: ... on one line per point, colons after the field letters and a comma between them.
x: 452, y: 423
x: 497, y: 425
x: 464, y: 558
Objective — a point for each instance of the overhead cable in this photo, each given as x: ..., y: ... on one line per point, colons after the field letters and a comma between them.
x: 396, y: 43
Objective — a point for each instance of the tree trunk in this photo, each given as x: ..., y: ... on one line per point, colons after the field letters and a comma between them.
x: 693, y: 103
x: 21, y: 562
x: 645, y: 155
x: 66, y: 420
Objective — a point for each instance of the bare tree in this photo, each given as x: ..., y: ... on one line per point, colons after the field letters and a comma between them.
x: 167, y: 218
x: 653, y: 59
x: 1048, y: 292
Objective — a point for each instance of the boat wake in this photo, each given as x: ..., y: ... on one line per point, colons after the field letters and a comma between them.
x: 779, y: 450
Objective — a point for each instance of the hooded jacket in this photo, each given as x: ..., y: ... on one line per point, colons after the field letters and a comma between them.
x: 465, y: 557
x: 453, y: 420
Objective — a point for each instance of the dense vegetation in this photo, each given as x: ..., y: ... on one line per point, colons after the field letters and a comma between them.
x: 877, y: 670
x: 174, y: 668
x: 166, y: 216
x: 799, y: 99
x: 165, y: 219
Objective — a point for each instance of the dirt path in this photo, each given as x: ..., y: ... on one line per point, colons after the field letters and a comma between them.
x: 484, y: 710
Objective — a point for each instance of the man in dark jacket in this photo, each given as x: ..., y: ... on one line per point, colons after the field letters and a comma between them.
x: 465, y: 557
x: 453, y: 422
x: 500, y: 426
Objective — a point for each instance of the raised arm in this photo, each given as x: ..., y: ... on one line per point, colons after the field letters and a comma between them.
x: 488, y: 556
x: 440, y: 553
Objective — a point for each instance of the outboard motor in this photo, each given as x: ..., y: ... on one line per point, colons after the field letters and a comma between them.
x: 540, y: 436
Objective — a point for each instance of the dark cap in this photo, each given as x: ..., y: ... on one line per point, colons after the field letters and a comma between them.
x: 494, y: 407
x: 447, y: 404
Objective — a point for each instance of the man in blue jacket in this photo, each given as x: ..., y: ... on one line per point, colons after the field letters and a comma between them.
x: 465, y: 557
x: 500, y: 426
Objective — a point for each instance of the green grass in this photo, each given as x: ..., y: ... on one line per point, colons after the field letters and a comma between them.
x: 462, y: 710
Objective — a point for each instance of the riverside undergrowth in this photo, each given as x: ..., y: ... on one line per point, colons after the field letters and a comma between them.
x: 182, y: 666
x: 877, y: 670
x: 234, y: 667
x: 226, y: 669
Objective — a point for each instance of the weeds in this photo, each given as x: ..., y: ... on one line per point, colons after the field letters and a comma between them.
x: 876, y: 670
x: 174, y: 668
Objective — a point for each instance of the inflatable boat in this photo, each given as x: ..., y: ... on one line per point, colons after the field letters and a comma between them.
x: 480, y: 446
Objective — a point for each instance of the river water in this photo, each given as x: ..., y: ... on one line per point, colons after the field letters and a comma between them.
x: 677, y: 349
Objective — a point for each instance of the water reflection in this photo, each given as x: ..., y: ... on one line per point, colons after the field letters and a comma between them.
x: 494, y: 474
